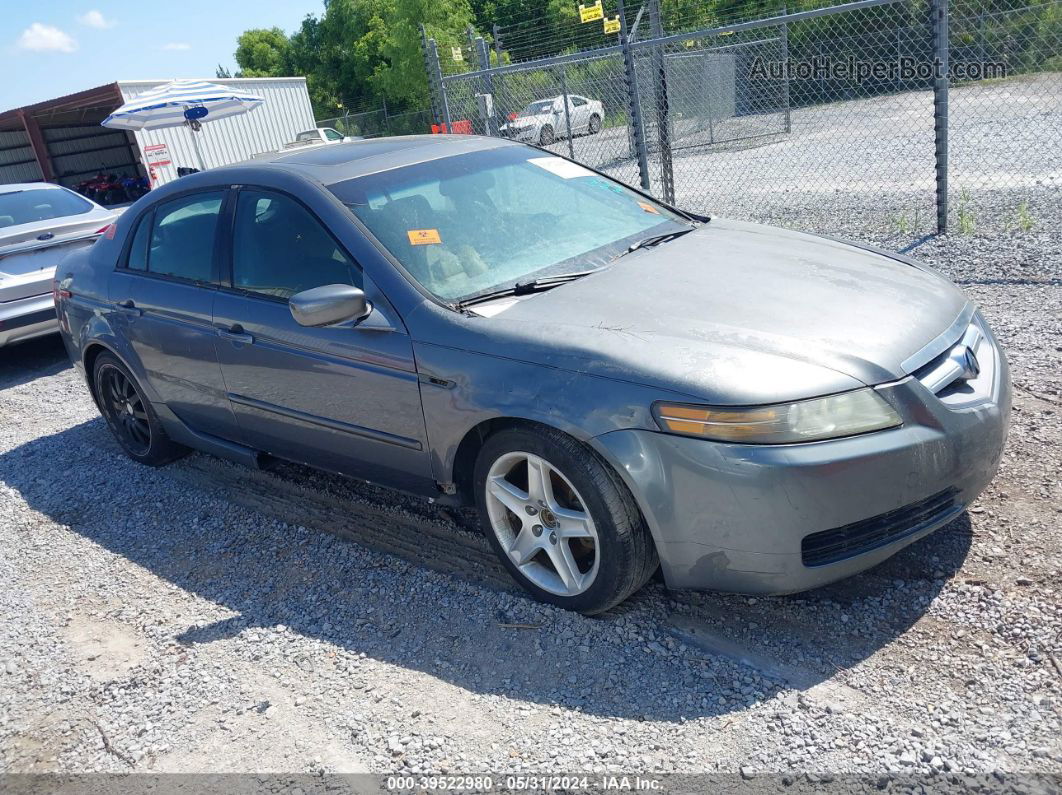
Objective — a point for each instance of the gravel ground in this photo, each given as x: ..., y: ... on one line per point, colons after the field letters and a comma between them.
x: 204, y: 617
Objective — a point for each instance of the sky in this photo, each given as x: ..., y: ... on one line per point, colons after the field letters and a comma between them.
x: 53, y: 47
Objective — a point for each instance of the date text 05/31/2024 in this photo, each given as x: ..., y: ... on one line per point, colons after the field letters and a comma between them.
x: 522, y: 783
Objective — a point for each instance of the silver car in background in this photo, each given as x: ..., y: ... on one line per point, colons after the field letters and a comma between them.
x: 545, y: 120
x: 40, y: 224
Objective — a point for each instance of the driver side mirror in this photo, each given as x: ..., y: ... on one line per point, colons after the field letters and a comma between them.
x: 328, y: 305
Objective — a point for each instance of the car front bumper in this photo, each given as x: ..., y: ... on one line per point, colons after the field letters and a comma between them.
x: 26, y: 318
x: 520, y: 133
x: 743, y: 518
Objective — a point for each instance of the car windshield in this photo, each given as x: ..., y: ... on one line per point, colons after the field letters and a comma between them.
x: 471, y: 224
x: 40, y: 204
x: 536, y: 108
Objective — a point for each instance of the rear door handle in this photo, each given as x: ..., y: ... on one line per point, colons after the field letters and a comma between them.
x: 127, y: 307
x: 236, y: 333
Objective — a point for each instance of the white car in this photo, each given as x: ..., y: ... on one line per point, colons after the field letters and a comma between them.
x: 544, y: 121
x: 40, y: 224
x: 318, y: 136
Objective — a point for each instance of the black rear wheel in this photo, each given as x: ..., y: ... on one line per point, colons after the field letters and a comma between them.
x: 130, y: 415
x: 546, y: 136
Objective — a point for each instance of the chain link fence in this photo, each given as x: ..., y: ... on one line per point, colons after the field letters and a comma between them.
x: 867, y: 117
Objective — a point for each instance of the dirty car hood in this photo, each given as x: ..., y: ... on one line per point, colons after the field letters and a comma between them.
x: 737, y: 313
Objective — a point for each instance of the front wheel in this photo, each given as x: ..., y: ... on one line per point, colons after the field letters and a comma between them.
x: 130, y: 415
x: 545, y: 136
x: 595, y: 124
x: 561, y: 521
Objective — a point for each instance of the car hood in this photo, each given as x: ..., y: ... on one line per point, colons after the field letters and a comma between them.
x: 735, y: 313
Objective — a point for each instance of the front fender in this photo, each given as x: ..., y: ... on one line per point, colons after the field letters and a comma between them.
x: 462, y: 389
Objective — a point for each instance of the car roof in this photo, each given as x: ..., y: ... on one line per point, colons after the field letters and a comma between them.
x: 340, y: 162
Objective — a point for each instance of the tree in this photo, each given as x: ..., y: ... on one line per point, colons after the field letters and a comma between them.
x: 263, y: 53
x: 340, y: 52
x: 401, y: 78
x: 358, y: 53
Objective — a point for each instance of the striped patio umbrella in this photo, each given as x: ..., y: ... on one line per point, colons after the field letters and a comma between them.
x: 182, y: 102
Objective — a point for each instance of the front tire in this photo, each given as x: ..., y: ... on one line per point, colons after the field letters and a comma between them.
x: 545, y: 136
x: 595, y: 124
x: 130, y: 415
x: 561, y: 521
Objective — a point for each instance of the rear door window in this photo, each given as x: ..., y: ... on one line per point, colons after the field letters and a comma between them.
x: 138, y: 249
x: 183, y: 235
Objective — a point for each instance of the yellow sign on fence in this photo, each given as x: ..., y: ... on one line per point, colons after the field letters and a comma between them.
x: 612, y: 25
x: 457, y: 54
x: 591, y: 13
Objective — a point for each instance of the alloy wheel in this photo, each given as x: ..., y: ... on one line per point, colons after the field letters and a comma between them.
x: 126, y: 410
x: 542, y: 523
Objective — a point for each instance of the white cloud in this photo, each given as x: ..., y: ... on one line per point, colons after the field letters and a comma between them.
x: 177, y: 45
x: 46, y: 38
x: 94, y: 19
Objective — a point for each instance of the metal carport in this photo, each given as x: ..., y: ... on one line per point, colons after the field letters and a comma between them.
x: 61, y: 140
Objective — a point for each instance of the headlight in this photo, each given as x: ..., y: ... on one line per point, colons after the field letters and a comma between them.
x: 847, y: 414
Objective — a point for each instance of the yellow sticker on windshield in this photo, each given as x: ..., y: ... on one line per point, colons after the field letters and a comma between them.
x: 423, y: 237
x: 649, y: 208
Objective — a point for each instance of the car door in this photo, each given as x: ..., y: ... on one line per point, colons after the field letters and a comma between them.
x: 580, y: 113
x: 562, y: 119
x: 162, y: 295
x: 345, y: 397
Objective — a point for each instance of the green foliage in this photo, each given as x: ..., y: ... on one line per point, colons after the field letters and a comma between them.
x: 262, y: 52
x: 358, y: 53
x: 967, y: 224
x: 1023, y: 219
x: 402, y: 79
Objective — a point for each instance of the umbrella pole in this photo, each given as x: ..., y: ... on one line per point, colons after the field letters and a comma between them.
x: 195, y: 145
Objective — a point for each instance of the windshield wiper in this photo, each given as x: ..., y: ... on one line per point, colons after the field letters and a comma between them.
x: 646, y: 242
x: 523, y: 288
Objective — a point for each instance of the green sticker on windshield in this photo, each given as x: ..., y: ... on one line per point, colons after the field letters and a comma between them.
x: 604, y: 183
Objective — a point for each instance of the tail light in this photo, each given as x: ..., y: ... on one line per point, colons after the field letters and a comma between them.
x: 107, y: 231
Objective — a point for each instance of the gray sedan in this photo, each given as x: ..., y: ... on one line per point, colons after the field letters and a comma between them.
x: 617, y: 385
x: 40, y: 224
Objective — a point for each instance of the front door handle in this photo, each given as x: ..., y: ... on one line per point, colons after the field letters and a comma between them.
x: 236, y: 333
x: 127, y: 307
